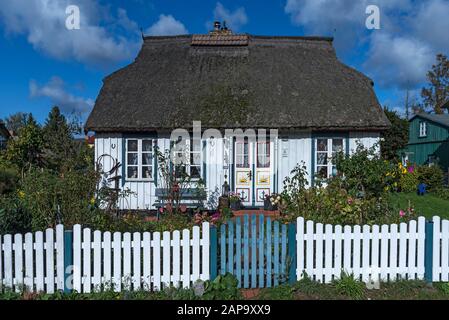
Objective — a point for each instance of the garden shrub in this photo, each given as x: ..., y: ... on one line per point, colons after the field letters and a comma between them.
x: 348, y: 286
x: 13, y: 217
x: 9, y: 178
x: 432, y: 176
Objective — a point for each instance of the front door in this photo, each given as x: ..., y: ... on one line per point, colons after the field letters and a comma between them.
x: 253, y: 176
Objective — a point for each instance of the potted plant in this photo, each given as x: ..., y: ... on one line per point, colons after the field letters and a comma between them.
x: 271, y: 202
x: 235, y: 201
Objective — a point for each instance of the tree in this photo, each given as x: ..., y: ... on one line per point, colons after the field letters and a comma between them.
x: 436, y: 94
x: 16, y: 121
x: 395, y: 138
x: 26, y: 151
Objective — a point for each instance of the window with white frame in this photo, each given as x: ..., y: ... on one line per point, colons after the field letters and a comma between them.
x: 326, y: 150
x: 139, y: 159
x: 422, y: 129
x: 188, y: 158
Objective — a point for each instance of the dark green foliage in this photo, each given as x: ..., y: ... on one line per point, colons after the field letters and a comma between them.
x: 395, y: 138
x: 436, y: 94
x: 16, y: 121
x: 432, y: 176
x: 9, y: 178
x: 348, y: 286
x: 26, y: 151
x: 223, y: 287
x: 14, y: 218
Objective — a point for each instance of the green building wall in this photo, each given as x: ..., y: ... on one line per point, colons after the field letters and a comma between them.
x: 435, y: 143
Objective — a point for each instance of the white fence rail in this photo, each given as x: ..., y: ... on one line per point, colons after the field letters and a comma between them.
x: 386, y: 252
x: 147, y: 261
x: 35, y: 261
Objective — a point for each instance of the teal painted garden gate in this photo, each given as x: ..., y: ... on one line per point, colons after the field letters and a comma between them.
x: 258, y: 251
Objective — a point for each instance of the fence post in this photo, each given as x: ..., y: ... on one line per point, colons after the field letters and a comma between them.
x: 68, y: 260
x: 428, y: 260
x: 292, y: 252
x: 213, y: 253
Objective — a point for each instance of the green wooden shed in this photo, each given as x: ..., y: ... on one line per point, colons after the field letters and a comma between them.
x: 428, y: 140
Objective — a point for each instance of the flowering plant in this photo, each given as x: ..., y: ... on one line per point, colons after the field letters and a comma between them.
x: 234, y: 197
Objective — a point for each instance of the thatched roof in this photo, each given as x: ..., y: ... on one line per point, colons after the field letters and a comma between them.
x: 244, y: 81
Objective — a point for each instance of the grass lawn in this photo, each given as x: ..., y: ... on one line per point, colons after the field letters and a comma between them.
x: 427, y: 205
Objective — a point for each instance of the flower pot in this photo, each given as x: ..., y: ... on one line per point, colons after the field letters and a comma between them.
x: 268, y: 206
x: 236, y: 205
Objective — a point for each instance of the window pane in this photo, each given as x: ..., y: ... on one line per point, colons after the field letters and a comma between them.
x: 322, y: 144
x: 132, y: 158
x: 321, y: 158
x: 180, y: 171
x: 334, y: 171
x: 147, y: 158
x: 132, y: 145
x: 337, y: 145
x: 322, y: 172
x: 147, y: 145
x: 133, y: 172
x: 147, y: 172
x: 263, y: 155
x: 195, y: 172
x: 195, y: 158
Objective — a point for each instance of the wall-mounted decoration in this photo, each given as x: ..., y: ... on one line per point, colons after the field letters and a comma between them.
x: 263, y: 178
x: 243, y: 178
x: 244, y: 193
x: 261, y: 193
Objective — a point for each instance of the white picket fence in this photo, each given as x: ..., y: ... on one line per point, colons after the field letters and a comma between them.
x: 139, y: 261
x: 440, y: 264
x: 387, y: 252
x: 35, y: 261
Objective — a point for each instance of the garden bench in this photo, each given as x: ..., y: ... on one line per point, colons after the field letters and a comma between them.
x: 191, y: 198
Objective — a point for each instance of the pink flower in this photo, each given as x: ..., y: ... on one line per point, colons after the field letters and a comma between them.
x: 401, y: 213
x: 411, y: 169
x: 350, y: 200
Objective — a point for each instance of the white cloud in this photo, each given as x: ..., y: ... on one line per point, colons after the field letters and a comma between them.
x: 167, y: 25
x: 43, y: 22
x: 400, y: 53
x: 55, y: 90
x: 234, y: 19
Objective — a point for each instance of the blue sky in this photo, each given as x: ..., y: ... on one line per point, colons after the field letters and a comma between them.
x: 44, y: 64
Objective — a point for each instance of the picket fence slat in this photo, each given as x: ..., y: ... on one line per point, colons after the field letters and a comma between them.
x: 261, y: 251
x: 87, y: 272
x: 136, y: 261
x: 39, y: 249
x: 166, y: 259
x: 117, y: 256
x: 7, y: 247
x: 205, y: 245
x: 444, y: 251
x: 147, y: 260
x: 375, y: 265
x: 246, y: 252
x: 1, y: 263
x: 402, y: 250
x: 283, y: 250
x: 421, y: 247
x: 156, y: 245
x: 276, y: 256
x: 394, y: 238
x: 411, y: 260
x: 223, y: 248
x: 59, y: 257
x: 268, y: 252
x: 253, y: 252
x: 107, y: 261
x: 347, y: 249
x: 126, y: 260
x: 96, y: 279
x: 29, y: 262
x: 76, y: 258
x: 238, y: 250
x: 18, y: 262
x: 176, y: 258
x: 230, y: 247
x: 437, y: 236
x: 196, y: 254
x: 185, y: 258
x: 357, y: 252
